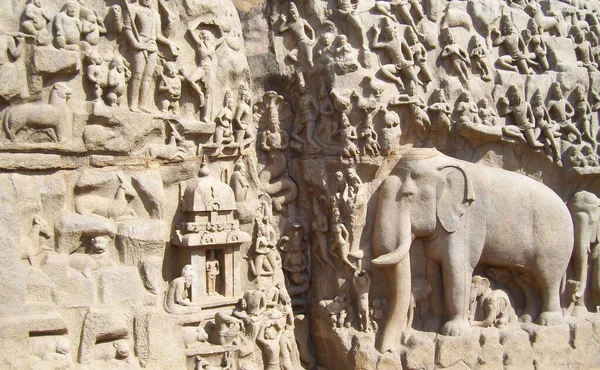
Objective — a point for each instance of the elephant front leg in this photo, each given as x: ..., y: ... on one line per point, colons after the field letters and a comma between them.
x: 436, y: 310
x: 457, y: 273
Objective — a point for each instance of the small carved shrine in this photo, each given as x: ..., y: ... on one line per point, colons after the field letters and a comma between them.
x: 211, y: 237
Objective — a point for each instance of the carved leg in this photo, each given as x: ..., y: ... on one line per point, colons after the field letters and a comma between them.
x: 579, y: 259
x: 137, y: 70
x: 436, y: 310
x: 134, y: 92
x: 146, y: 98
x: 457, y: 274
x: 531, y: 139
x: 389, y: 71
x: 551, y: 311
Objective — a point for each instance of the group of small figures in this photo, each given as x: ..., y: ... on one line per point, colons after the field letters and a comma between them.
x: 322, y: 120
x: 262, y: 323
x: 526, y: 52
x: 79, y: 28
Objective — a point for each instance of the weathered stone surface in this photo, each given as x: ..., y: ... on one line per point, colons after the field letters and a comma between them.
x: 264, y: 184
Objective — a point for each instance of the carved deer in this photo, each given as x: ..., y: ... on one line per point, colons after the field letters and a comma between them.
x: 31, y: 242
x: 115, y: 208
x: 52, y: 118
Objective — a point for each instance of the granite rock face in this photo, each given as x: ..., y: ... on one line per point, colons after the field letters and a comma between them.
x: 307, y: 184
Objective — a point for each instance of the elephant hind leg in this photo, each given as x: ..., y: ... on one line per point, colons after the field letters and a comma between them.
x: 527, y: 286
x: 551, y: 311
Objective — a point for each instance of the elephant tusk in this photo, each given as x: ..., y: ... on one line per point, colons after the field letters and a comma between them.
x: 395, y: 256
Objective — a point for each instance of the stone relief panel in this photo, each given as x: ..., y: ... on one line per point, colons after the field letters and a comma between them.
x: 299, y: 184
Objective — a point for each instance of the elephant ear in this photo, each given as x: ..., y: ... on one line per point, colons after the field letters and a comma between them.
x: 454, y: 195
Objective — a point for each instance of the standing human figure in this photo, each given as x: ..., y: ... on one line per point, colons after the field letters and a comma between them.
x: 142, y: 27
x: 212, y: 272
x: 303, y: 33
x: 341, y: 246
x: 207, y: 46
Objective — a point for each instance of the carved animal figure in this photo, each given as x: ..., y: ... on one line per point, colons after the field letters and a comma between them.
x: 53, y: 117
x: 31, y: 244
x: 492, y: 304
x: 546, y: 23
x: 456, y: 17
x: 585, y: 210
x: 115, y: 208
x: 467, y: 214
x: 485, y: 16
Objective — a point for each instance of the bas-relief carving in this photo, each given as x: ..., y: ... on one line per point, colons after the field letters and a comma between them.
x: 312, y: 223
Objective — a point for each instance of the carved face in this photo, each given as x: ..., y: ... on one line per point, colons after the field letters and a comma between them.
x: 345, y: 121
x: 145, y: 3
x: 246, y: 96
x: 294, y: 12
x: 507, y: 28
x: 466, y: 97
x: 537, y: 98
x: 327, y: 38
x: 270, y: 333
x: 580, y: 92
x: 206, y: 36
x: 188, y: 279
x: 170, y: 69
x: 578, y: 35
x: 37, y: 3
x: 228, y: 99
x: 62, y: 346
x: 389, y: 31
x: 441, y: 96
x: 99, y: 244
x: 557, y: 90
x: 514, y: 96
x: 71, y: 9
x: 479, y: 285
x: 336, y: 215
x: 412, y: 37
x: 88, y: 15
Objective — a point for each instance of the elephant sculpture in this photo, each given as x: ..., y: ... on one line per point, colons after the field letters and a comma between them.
x: 585, y: 210
x: 465, y: 215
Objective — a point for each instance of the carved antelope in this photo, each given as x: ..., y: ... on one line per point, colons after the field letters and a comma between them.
x: 116, y: 208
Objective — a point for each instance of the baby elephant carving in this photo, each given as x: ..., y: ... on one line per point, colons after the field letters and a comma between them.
x: 493, y: 304
x: 115, y: 208
x: 51, y: 118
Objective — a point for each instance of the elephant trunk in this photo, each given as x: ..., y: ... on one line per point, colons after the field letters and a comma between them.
x: 391, y: 244
x: 579, y: 258
x: 397, y: 319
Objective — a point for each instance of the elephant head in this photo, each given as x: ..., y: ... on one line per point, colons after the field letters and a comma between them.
x: 425, y: 194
